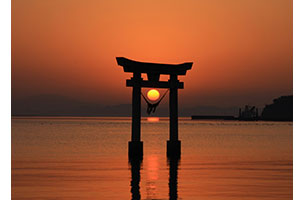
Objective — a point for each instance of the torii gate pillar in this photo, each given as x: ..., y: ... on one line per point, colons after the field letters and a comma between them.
x: 153, y: 71
x: 135, y: 146
x: 173, y: 144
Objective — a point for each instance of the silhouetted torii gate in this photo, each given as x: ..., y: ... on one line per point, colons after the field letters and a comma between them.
x: 153, y: 71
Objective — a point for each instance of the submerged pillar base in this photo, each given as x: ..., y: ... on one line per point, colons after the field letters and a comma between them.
x: 174, y: 148
x: 135, y: 149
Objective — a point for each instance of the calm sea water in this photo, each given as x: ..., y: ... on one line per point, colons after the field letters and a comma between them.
x: 86, y: 158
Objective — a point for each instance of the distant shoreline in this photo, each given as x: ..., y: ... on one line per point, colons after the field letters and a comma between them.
x: 193, y: 117
x: 220, y: 117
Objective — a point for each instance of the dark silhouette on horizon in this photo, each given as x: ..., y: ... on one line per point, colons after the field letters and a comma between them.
x: 58, y: 105
x: 280, y: 110
x: 249, y: 113
x: 213, y: 117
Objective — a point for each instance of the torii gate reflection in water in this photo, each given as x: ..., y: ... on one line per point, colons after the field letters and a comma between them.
x: 153, y: 71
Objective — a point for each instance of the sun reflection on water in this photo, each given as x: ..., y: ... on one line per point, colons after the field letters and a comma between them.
x: 153, y: 119
x: 152, y: 176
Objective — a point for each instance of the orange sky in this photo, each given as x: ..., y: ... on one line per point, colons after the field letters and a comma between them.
x: 241, y: 49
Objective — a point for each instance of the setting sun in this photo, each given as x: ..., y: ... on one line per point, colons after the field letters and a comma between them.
x: 153, y: 94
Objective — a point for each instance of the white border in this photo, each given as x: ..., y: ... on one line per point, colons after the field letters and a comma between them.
x: 299, y: 99
x: 298, y: 82
x: 5, y: 109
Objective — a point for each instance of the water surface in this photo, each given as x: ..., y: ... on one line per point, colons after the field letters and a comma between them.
x: 86, y: 158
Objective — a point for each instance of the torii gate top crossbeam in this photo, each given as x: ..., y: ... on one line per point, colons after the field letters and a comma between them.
x: 155, y: 68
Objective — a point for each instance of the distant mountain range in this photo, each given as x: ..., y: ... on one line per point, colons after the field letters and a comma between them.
x: 55, y: 105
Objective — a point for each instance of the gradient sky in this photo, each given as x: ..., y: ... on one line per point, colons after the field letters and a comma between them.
x: 241, y: 49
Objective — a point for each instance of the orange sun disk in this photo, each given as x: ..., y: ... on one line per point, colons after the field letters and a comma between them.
x: 153, y: 94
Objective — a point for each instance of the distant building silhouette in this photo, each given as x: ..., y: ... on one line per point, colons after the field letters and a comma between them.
x: 250, y: 113
x: 280, y: 110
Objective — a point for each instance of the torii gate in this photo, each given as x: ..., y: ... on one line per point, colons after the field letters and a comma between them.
x: 153, y: 71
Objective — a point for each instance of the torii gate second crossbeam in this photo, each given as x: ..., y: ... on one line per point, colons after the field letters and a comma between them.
x: 153, y: 71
